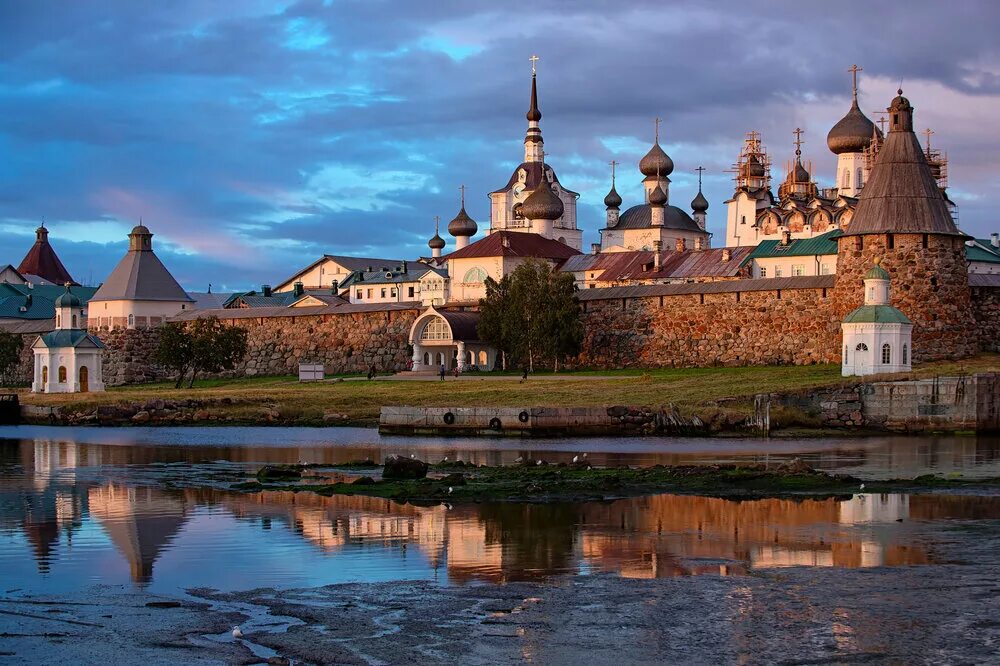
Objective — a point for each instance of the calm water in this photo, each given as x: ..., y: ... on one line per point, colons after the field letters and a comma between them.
x: 89, y: 506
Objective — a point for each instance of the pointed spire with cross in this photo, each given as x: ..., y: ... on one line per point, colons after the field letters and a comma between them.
x: 534, y: 61
x: 854, y: 69
x: 613, y: 164
x: 928, y: 133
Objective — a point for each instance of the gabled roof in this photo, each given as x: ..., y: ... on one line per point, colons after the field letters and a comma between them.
x: 316, y: 299
x: 635, y: 264
x: 208, y: 300
x: 141, y: 276
x: 68, y: 338
x: 38, y: 301
x: 277, y: 299
x: 350, y: 263
x: 414, y: 272
x: 982, y: 250
x: 515, y: 244
x: 42, y: 261
x: 876, y: 314
x: 798, y: 247
x: 532, y: 176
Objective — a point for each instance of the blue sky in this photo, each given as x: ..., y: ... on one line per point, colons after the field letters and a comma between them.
x: 253, y: 136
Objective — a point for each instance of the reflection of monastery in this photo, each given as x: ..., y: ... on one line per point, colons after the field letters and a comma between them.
x: 888, y: 189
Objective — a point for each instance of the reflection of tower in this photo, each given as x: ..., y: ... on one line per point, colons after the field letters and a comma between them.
x: 140, y: 521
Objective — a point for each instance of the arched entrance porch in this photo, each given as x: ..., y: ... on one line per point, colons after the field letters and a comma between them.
x: 449, y: 338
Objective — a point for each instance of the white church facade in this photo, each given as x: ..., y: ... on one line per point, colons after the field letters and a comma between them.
x: 878, y: 338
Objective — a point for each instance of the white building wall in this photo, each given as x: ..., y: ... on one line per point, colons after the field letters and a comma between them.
x: 770, y: 267
x: 47, y: 364
x: 132, y: 314
x: 850, y: 174
x: 868, y: 361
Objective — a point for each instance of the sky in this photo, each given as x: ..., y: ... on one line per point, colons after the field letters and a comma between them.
x: 254, y: 136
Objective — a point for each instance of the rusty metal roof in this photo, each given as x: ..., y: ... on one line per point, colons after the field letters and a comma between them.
x: 984, y: 280
x: 624, y: 266
x: 515, y: 244
x: 727, y: 286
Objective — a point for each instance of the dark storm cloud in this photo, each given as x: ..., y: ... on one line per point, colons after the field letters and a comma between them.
x: 253, y: 136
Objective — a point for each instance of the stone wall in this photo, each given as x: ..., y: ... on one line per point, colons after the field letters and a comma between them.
x: 344, y: 343
x: 788, y: 326
x: 128, y: 358
x: 986, y: 308
x: 929, y: 284
x: 22, y: 374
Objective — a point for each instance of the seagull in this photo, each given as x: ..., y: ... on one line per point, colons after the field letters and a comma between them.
x: 237, y: 633
x: 584, y: 455
x: 539, y: 462
x: 445, y: 459
x: 519, y: 459
x: 862, y: 486
x: 413, y: 455
x: 575, y: 458
x: 450, y: 490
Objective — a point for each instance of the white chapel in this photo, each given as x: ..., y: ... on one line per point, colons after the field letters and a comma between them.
x: 877, y: 336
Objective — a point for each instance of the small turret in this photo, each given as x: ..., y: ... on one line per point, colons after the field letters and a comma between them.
x: 699, y: 205
x: 436, y: 243
x: 613, y: 201
x: 462, y: 227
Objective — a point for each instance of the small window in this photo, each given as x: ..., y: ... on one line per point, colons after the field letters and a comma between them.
x: 891, y: 241
x: 778, y: 272
x: 824, y: 269
x: 62, y: 374
x: 763, y: 271
x: 131, y: 321
x: 411, y: 292
x: 360, y: 297
x: 886, y: 354
x: 905, y: 355
x: 871, y: 293
x: 845, y: 354
x: 383, y: 292
x: 862, y: 347
x: 369, y: 293
x: 860, y: 178
x: 798, y: 270
x: 743, y: 219
x: 74, y: 321
x: 45, y: 374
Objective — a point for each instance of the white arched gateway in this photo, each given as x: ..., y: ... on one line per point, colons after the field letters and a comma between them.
x: 449, y: 338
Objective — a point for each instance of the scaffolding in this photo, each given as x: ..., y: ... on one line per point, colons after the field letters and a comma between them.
x: 746, y: 175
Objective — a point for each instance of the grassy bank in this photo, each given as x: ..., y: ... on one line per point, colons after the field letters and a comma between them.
x: 702, y: 391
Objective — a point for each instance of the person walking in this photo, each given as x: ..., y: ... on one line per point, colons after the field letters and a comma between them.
x: 524, y: 374
x: 442, y: 372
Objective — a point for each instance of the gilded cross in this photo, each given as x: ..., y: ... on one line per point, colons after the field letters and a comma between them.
x: 854, y: 69
x: 534, y: 59
x: 613, y: 164
x: 700, y: 170
x: 928, y: 132
x: 798, y: 140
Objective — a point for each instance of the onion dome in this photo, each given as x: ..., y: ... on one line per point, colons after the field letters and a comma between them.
x: 876, y: 272
x: 436, y: 242
x: 463, y: 225
x: 657, y: 197
x: 699, y: 204
x: 900, y: 103
x: 798, y: 174
x: 656, y: 163
x: 542, y: 204
x: 853, y: 132
x: 754, y: 168
x: 613, y: 200
x: 67, y: 299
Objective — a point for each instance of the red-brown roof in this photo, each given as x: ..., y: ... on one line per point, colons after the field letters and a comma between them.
x: 626, y: 266
x: 42, y: 261
x: 515, y: 244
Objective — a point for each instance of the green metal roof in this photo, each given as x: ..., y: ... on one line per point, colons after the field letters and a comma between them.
x: 876, y: 272
x: 69, y: 338
x: 799, y: 247
x: 982, y: 251
x: 876, y: 314
x: 13, y: 297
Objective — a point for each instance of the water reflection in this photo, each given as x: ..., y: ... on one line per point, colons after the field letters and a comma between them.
x: 77, y: 516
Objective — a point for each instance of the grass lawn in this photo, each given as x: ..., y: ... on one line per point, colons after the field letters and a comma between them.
x: 693, y: 390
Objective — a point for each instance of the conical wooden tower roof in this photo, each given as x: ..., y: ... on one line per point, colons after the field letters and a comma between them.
x: 42, y: 261
x: 901, y: 195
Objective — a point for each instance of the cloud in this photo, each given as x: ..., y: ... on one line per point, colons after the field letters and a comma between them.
x: 253, y: 136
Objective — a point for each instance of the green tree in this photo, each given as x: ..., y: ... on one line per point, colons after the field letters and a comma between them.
x: 215, y: 346
x: 203, y: 345
x: 175, y: 350
x: 11, y: 345
x: 532, y: 313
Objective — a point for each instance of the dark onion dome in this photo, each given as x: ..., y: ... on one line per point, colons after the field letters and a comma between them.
x: 754, y: 168
x: 657, y: 197
x: 542, y: 204
x: 656, y: 163
x: 463, y: 225
x: 67, y: 299
x: 798, y: 174
x: 140, y: 230
x: 900, y: 103
x: 534, y: 114
x: 699, y: 204
x: 613, y: 200
x: 436, y: 242
x: 852, y: 133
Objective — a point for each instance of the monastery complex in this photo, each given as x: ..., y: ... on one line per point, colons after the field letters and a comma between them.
x: 872, y: 272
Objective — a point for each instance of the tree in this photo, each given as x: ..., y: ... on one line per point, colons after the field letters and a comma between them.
x: 532, y: 313
x: 11, y: 345
x: 203, y: 345
x: 175, y: 350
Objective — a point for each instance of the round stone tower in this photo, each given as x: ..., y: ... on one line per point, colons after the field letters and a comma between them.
x: 903, y: 218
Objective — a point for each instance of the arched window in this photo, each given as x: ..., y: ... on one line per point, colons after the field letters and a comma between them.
x: 886, y: 354
x: 427, y: 358
x: 482, y: 358
x: 436, y: 329
x: 440, y: 358
x: 58, y: 321
x: 905, y: 355
x: 871, y: 293
x: 131, y: 321
x: 845, y: 354
x: 74, y: 321
x: 475, y: 275
x: 62, y: 374
x: 861, y: 347
x: 860, y: 180
x: 45, y: 374
x: 847, y: 178
x: 470, y: 357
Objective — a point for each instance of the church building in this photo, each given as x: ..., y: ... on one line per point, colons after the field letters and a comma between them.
x: 68, y: 359
x: 877, y: 336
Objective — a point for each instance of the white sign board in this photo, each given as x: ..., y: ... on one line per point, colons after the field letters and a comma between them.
x: 311, y: 372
